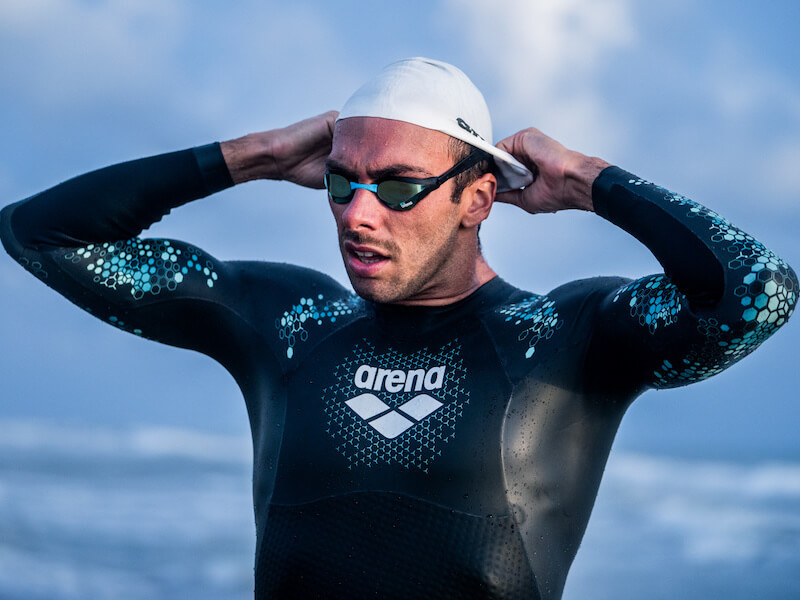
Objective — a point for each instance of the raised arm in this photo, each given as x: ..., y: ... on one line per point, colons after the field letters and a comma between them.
x: 722, y: 292
x: 79, y: 237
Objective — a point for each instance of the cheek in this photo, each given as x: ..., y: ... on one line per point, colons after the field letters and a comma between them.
x: 336, y: 211
x: 431, y: 233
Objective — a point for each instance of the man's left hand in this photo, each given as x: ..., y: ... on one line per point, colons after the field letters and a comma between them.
x: 563, y: 178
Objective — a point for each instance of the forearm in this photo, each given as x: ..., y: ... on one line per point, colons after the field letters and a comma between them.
x: 250, y: 157
x: 80, y: 239
x: 296, y: 153
x: 704, y: 255
x: 722, y: 292
x: 116, y: 202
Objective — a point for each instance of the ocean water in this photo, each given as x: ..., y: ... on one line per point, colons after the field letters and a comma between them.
x: 162, y: 513
x: 141, y: 514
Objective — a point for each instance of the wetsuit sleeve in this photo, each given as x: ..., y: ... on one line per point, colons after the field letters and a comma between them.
x: 722, y: 292
x: 79, y: 238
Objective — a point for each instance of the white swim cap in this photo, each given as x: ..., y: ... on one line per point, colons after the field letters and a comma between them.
x: 438, y: 96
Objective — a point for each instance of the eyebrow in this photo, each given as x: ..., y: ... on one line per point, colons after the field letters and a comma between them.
x: 394, y: 170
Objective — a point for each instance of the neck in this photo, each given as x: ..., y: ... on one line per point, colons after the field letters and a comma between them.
x: 481, y: 274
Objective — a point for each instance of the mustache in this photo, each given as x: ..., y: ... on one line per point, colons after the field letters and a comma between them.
x: 358, y: 237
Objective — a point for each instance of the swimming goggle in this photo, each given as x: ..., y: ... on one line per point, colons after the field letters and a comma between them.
x: 398, y: 193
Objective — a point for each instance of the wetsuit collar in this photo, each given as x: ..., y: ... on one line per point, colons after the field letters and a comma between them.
x: 407, y: 322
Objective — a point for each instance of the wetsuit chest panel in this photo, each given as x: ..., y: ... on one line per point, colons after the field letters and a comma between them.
x: 422, y: 417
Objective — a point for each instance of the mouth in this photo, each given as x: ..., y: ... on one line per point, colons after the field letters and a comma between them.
x: 368, y: 258
x: 364, y: 261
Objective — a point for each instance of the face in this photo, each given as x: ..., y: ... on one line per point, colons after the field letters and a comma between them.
x: 414, y: 256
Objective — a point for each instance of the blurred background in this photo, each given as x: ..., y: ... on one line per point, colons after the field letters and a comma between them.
x: 125, y: 465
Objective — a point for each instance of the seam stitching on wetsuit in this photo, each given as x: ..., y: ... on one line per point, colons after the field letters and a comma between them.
x: 495, y: 348
x: 507, y: 407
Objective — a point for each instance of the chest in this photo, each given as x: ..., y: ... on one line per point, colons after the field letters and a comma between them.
x: 422, y: 417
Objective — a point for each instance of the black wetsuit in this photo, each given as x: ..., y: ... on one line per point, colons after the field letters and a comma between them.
x: 449, y: 452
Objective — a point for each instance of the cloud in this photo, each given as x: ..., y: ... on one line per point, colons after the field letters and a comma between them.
x: 651, y: 86
x: 62, y: 53
x: 545, y: 58
x: 741, y: 85
x: 136, y: 60
x: 781, y: 167
x: 756, y: 107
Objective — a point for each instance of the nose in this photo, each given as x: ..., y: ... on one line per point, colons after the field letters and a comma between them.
x: 364, y: 211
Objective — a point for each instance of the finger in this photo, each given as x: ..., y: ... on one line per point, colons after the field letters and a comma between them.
x: 515, y: 147
x: 507, y: 144
x: 330, y: 119
x: 534, y: 169
x: 509, y: 197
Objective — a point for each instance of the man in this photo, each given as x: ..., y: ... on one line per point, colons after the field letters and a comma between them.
x: 441, y: 434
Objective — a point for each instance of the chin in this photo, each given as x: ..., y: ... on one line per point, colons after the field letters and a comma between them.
x: 373, y: 293
x: 376, y: 291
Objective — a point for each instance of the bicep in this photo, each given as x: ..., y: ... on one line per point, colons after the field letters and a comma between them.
x: 144, y: 286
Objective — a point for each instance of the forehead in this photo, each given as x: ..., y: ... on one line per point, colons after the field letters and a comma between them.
x: 368, y: 143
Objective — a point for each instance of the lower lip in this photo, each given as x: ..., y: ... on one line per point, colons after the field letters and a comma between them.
x: 363, y: 269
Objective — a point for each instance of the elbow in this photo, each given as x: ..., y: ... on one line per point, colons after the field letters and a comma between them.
x: 767, y: 294
x: 6, y: 233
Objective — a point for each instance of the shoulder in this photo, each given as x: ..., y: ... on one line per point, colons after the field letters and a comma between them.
x: 523, y: 308
x: 529, y: 328
x: 294, y: 306
x: 582, y: 289
x: 281, y: 275
x: 269, y: 286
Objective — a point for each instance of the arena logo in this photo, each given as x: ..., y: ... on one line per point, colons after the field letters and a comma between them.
x: 391, y: 422
x: 395, y: 380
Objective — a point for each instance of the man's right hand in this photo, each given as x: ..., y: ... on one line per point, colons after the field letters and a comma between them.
x: 296, y: 153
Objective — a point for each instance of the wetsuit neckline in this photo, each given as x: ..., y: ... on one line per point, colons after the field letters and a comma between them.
x: 408, y: 322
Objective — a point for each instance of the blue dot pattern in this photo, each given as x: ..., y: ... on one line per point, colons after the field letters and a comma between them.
x: 117, y: 322
x: 292, y: 324
x: 709, y: 358
x: 654, y: 301
x: 34, y: 267
x: 766, y: 294
x: 417, y: 447
x: 146, y: 267
x: 540, y: 319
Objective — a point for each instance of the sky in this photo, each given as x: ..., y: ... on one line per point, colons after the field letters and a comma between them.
x: 702, y: 97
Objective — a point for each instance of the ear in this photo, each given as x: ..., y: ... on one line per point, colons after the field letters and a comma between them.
x: 477, y: 200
